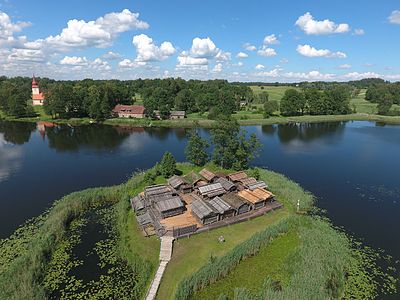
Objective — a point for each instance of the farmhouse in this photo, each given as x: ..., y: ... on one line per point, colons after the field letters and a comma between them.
x: 129, y: 111
x: 223, y: 208
x: 204, y: 212
x: 211, y: 190
x: 208, y: 175
x: 238, y: 204
x: 177, y: 114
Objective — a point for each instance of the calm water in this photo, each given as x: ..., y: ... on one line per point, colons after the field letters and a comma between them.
x: 353, y: 168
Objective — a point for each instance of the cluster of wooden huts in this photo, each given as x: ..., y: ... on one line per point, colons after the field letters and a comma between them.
x: 208, y: 196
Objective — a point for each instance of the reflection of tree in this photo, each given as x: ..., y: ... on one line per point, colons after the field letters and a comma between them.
x: 307, y: 132
x: 160, y: 133
x: 17, y: 132
x: 268, y: 129
x: 99, y: 137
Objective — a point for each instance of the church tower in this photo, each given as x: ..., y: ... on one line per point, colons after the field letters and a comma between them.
x: 35, y: 87
x: 37, y: 96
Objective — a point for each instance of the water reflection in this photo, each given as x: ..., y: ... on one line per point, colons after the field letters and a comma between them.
x: 16, y: 132
x: 10, y: 158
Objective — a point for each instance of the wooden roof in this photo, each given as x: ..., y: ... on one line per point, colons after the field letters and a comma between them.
x: 129, y: 109
x: 178, y: 113
x: 237, y: 176
x: 257, y: 185
x: 192, y: 177
x: 160, y: 197
x: 137, y: 203
x: 212, y: 190
x: 226, y: 184
x: 248, y: 181
x: 263, y: 194
x: 176, y: 181
x: 169, y: 204
x: 202, y: 209
x: 220, y: 205
x: 144, y: 219
x: 157, y: 189
x: 233, y: 200
x: 250, y: 196
x: 207, y: 174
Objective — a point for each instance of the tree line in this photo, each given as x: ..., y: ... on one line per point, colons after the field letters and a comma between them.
x: 385, y: 94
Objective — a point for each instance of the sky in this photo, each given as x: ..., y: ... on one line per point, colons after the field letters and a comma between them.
x: 264, y: 41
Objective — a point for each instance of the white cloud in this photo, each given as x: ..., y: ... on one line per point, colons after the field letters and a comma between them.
x: 240, y: 64
x: 100, y: 65
x: 74, y: 61
x: 259, y: 67
x: 249, y: 47
x: 273, y: 73
x: 308, y: 51
x: 270, y: 40
x: 218, y: 68
x: 345, y: 66
x: 148, y: 51
x: 310, y: 26
x: 312, y: 75
x: 359, y: 31
x: 26, y: 55
x: 265, y: 51
x: 112, y: 55
x: 394, y: 17
x: 223, y: 56
x: 99, y: 33
x: 127, y: 63
x: 242, y: 55
x: 185, y: 61
x: 203, y: 48
x: 357, y: 76
x: 8, y: 28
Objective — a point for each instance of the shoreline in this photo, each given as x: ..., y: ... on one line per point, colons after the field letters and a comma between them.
x: 205, y: 123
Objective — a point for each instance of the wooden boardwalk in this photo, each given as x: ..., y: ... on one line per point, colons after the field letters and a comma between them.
x: 165, y: 257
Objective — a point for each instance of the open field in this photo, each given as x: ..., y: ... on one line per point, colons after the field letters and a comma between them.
x: 275, y: 92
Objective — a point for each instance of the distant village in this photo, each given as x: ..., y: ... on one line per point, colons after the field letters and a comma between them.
x: 201, y: 201
x: 120, y: 111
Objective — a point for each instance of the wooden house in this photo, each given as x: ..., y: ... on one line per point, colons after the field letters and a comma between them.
x: 264, y: 194
x: 257, y: 198
x: 211, y: 190
x: 177, y: 114
x: 138, y: 204
x: 208, y: 175
x: 157, y: 190
x: 129, y: 111
x: 258, y: 185
x: 178, y: 183
x: 238, y: 204
x: 248, y: 181
x: 170, y: 207
x: 237, y: 177
x: 229, y: 186
x: 192, y: 178
x: 223, y: 208
x: 204, y: 212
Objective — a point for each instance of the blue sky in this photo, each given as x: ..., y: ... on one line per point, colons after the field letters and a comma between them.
x: 235, y: 40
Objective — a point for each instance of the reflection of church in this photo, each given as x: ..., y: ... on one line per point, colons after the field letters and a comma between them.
x: 41, y: 127
x: 37, y: 96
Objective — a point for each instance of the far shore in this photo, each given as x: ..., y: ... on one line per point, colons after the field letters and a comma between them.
x: 205, y: 123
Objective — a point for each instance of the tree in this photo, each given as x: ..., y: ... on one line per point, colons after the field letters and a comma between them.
x: 292, y: 103
x: 263, y: 97
x: 270, y: 107
x: 196, y: 149
x: 167, y: 165
x: 315, y: 102
x: 385, y: 103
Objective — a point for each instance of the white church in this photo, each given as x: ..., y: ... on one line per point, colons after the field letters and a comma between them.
x: 37, y: 97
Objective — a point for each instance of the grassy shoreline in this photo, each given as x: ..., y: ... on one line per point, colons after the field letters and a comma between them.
x: 205, y: 123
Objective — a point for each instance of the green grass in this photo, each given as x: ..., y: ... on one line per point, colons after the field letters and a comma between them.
x: 275, y: 92
x: 268, y: 262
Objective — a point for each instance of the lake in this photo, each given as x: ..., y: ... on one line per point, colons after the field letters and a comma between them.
x: 352, y: 167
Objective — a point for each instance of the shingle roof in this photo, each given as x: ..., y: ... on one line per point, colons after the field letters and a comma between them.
x: 250, y: 196
x: 202, y: 209
x: 211, y: 190
x: 237, y: 176
x: 129, y: 109
x: 169, y: 204
x: 161, y: 197
x: 257, y: 185
x: 226, y: 184
x: 263, y: 194
x: 156, y: 190
x: 207, y: 174
x: 137, y: 203
x: 176, y: 181
x: 248, y: 181
x: 220, y: 205
x: 233, y: 200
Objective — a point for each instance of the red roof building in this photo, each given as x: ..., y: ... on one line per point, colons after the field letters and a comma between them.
x: 129, y: 111
x: 37, y: 97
